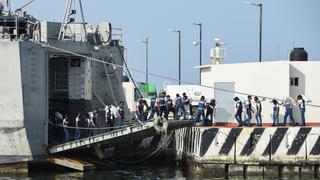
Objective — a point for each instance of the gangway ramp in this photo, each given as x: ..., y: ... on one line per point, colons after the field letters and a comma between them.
x: 132, y: 132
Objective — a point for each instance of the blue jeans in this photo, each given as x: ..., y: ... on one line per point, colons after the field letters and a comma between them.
x: 178, y: 106
x: 249, y: 114
x: 199, y: 114
x: 143, y: 117
x: 186, y: 108
x: 162, y: 110
x: 303, y: 118
x: 238, y: 117
x: 66, y: 134
x: 121, y: 120
x: 259, y: 118
x: 78, y: 134
x: 110, y: 125
x: 275, y: 118
x: 288, y: 113
x: 153, y: 110
x: 90, y: 133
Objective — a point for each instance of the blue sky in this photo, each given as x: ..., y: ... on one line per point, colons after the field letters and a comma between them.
x: 285, y: 22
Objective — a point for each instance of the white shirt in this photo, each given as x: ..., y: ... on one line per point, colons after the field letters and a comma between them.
x: 92, y: 115
x: 108, y: 111
x: 90, y: 120
x: 145, y: 108
x: 77, y: 121
x: 65, y: 122
x: 301, y: 104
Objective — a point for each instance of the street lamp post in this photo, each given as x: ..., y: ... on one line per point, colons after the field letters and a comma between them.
x: 260, y: 36
x: 179, y: 33
x: 147, y: 47
x: 200, y: 45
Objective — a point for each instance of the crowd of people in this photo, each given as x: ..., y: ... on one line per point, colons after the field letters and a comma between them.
x: 180, y: 108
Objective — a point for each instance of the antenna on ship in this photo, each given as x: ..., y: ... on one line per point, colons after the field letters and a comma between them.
x: 9, y: 5
x: 68, y: 19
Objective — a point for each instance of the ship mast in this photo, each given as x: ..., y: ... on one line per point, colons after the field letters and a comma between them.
x: 67, y: 19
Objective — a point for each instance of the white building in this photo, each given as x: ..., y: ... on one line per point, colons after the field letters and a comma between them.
x: 277, y: 79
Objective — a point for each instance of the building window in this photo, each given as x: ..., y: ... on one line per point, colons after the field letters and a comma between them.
x: 294, y: 81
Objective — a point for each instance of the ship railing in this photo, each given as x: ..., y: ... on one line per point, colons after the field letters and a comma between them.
x: 117, y: 35
x: 10, y: 29
x: 86, y: 132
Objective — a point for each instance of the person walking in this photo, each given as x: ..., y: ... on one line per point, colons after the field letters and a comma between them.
x: 288, y: 105
x: 65, y: 124
x: 77, y: 124
x: 238, y: 111
x: 302, y: 108
x: 179, y: 105
x: 139, y: 109
x: 200, y: 112
x: 249, y: 111
x: 276, y: 110
x: 110, y: 117
x: 162, y: 105
x: 121, y: 112
x: 92, y: 123
x: 211, y: 108
x: 145, y: 111
x: 169, y: 107
x: 154, y: 107
x: 58, y: 132
x: 186, y: 103
x: 191, y: 107
x: 258, y: 111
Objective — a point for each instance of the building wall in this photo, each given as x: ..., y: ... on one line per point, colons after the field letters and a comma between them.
x: 252, y: 146
x: 267, y: 79
x: 307, y: 72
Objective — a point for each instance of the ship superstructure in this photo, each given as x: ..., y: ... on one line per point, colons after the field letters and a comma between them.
x: 49, y: 67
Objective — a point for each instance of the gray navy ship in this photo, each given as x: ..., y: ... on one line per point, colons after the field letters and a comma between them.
x: 49, y: 67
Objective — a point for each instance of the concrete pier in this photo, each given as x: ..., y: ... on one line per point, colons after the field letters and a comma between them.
x: 247, y: 151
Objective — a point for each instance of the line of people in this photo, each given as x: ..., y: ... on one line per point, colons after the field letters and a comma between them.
x: 246, y: 108
x: 180, y: 107
x: 163, y: 105
x: 88, y: 121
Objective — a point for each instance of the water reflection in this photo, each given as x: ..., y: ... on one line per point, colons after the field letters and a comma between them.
x: 133, y: 173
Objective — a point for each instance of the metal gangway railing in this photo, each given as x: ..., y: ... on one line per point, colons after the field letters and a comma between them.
x: 104, y: 137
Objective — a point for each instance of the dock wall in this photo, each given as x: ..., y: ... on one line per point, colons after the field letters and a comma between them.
x: 246, y: 148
